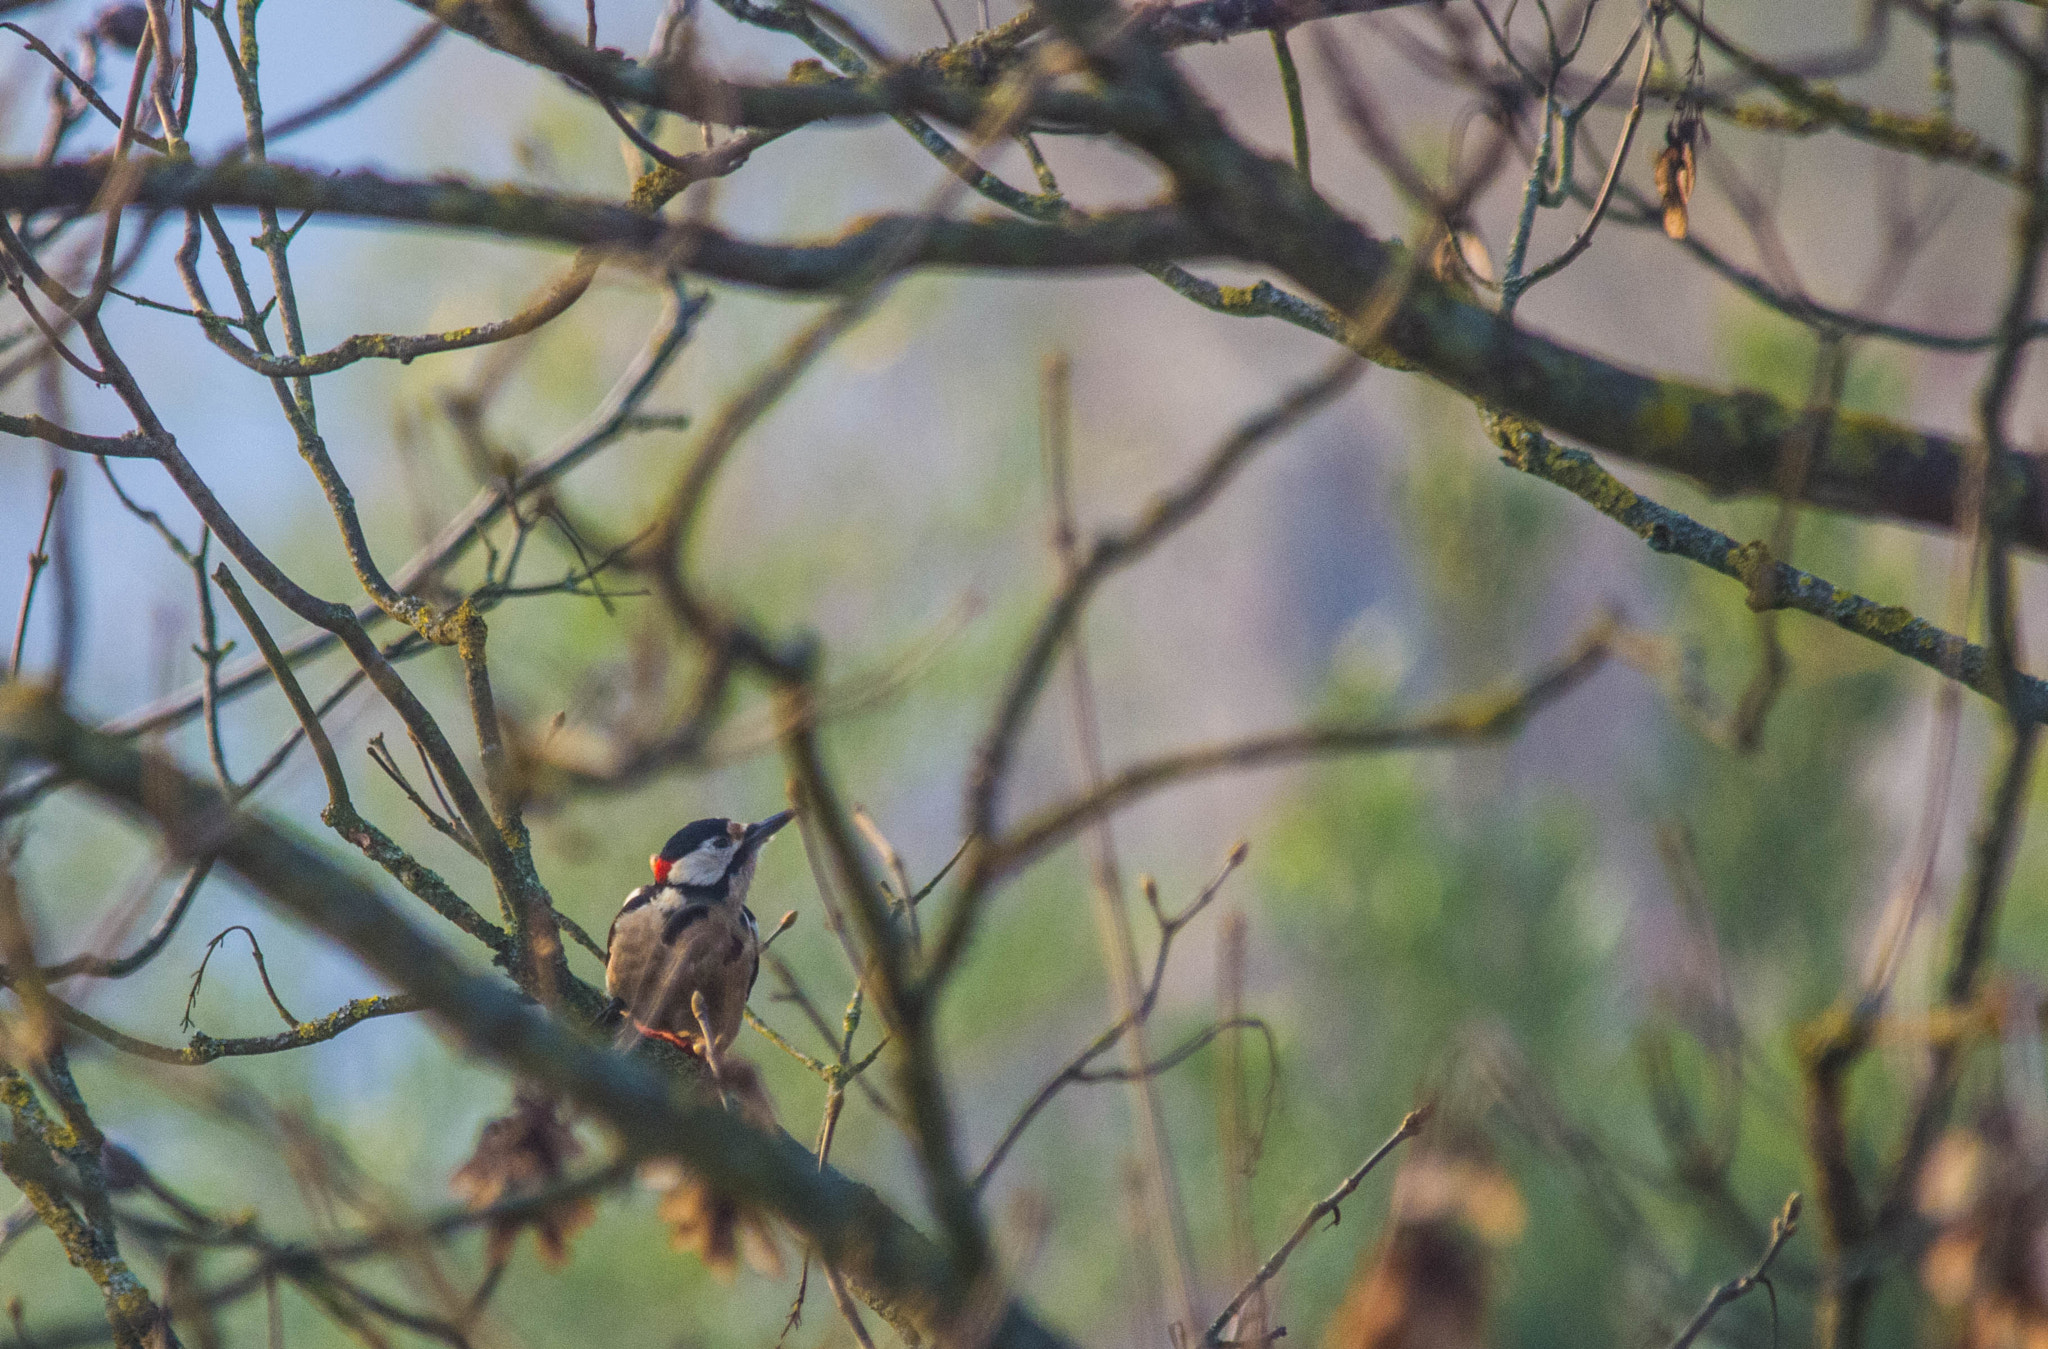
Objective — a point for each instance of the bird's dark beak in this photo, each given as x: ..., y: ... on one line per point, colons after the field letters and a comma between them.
x: 763, y: 830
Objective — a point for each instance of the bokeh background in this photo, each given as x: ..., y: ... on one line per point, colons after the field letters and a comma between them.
x: 1492, y: 920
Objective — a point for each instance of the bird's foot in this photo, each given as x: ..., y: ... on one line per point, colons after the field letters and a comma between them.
x: 690, y: 1044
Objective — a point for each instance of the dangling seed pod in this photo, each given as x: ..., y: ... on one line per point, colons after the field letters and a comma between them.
x: 1677, y: 166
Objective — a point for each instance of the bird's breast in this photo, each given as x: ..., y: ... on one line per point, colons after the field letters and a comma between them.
x: 669, y: 942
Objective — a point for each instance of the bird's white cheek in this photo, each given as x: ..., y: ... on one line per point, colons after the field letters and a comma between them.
x: 698, y: 868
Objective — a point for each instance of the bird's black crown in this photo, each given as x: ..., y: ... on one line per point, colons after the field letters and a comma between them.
x: 692, y: 836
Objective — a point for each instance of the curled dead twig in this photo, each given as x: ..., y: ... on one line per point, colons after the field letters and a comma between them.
x: 262, y: 973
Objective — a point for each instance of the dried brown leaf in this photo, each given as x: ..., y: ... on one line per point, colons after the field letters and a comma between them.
x: 520, y: 1154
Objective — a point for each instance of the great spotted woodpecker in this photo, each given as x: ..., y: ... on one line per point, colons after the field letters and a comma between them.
x: 683, y: 952
x: 681, y: 959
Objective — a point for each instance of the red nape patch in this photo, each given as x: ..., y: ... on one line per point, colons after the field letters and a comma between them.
x: 660, y: 868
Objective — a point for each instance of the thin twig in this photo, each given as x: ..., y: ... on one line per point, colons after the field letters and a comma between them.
x: 1297, y: 115
x: 211, y: 653
x: 1411, y: 1124
x: 1238, y: 1144
x: 1076, y: 1069
x: 98, y: 967
x: 1459, y: 721
x: 582, y: 938
x: 1782, y: 1229
x: 1186, y: 1050
x: 340, y: 101
x: 380, y: 755
x: 893, y: 860
x: 602, y: 428
x: 1167, y: 1216
x: 90, y: 95
x: 341, y: 814
x: 1584, y: 238
x: 37, y: 560
x: 309, y: 720
x: 1107, y: 554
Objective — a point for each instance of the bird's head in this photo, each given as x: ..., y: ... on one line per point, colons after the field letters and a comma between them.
x: 716, y: 853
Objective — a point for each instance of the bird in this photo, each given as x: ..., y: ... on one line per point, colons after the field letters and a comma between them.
x: 683, y: 952
x: 680, y: 960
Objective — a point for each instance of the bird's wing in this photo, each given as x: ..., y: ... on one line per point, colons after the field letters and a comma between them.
x: 633, y: 910
x: 754, y: 934
x: 680, y: 920
x: 633, y: 901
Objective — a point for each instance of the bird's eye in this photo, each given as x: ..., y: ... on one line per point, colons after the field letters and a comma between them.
x: 721, y: 842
